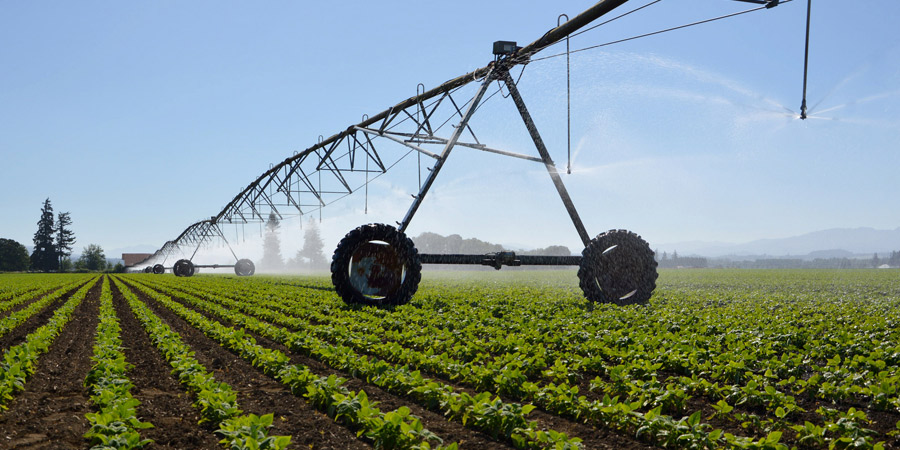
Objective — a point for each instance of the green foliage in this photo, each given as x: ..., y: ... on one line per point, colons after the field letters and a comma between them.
x: 396, y: 429
x: 216, y: 401
x: 65, y: 237
x: 251, y: 433
x: 44, y: 257
x: 754, y: 346
x: 18, y: 362
x: 92, y: 259
x: 115, y: 425
x: 13, y: 256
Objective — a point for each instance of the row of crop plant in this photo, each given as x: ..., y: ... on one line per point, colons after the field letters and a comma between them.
x: 479, y: 410
x: 484, y: 412
x: 19, y: 361
x: 394, y: 429
x: 652, y: 364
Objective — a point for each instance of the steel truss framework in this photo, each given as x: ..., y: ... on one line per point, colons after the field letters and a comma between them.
x: 343, y: 163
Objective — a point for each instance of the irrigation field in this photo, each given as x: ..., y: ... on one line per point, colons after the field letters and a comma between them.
x: 719, y: 359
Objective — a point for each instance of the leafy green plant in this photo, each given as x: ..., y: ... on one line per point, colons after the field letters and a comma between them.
x: 18, y: 363
x: 115, y: 425
x: 216, y: 400
x: 250, y: 432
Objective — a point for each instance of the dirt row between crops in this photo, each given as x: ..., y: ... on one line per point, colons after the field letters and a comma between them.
x: 592, y: 438
x: 438, y: 424
x: 49, y: 414
x: 164, y: 403
x: 17, y: 335
x: 257, y: 393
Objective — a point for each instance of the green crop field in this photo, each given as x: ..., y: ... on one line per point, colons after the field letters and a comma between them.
x: 513, y: 359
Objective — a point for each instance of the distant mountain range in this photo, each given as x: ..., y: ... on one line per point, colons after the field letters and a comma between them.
x: 833, y: 243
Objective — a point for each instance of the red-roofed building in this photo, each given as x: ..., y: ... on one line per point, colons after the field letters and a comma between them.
x: 133, y: 258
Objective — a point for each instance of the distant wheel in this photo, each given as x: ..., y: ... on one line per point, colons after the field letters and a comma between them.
x: 148, y: 269
x: 376, y: 264
x: 618, y: 267
x: 244, y: 268
x: 159, y: 269
x: 183, y: 268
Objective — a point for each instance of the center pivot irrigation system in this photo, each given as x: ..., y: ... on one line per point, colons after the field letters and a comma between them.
x: 377, y: 263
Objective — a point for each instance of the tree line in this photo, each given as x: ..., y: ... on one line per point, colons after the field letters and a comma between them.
x: 672, y: 261
x: 428, y: 242
x: 875, y: 261
x: 53, y: 243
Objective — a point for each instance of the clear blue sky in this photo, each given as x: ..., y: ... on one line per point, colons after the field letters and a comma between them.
x: 140, y: 118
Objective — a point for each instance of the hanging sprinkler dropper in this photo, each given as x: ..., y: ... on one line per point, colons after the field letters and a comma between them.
x: 805, y: 62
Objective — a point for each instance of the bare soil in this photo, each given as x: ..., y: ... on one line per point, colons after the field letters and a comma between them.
x: 592, y: 438
x: 49, y: 414
x: 259, y: 394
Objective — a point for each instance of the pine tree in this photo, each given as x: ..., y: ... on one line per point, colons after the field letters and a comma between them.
x: 311, y: 254
x: 64, y: 236
x: 44, y: 257
x: 271, y: 259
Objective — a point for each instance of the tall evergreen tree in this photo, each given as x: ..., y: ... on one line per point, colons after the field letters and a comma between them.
x: 44, y: 257
x: 64, y: 236
x: 272, y: 259
x: 311, y: 254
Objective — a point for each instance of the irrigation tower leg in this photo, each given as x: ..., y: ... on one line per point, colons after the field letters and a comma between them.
x: 473, y: 105
x: 222, y: 235
x: 545, y: 155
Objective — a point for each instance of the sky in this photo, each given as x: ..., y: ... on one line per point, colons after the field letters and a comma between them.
x: 140, y: 118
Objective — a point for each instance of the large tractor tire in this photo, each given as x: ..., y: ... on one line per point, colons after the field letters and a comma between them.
x: 244, y: 268
x: 159, y: 269
x: 377, y: 265
x: 183, y: 268
x: 618, y: 267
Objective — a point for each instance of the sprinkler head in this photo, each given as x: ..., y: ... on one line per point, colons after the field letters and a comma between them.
x: 803, y: 110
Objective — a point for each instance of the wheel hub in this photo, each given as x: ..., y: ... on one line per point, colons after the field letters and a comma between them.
x: 376, y: 269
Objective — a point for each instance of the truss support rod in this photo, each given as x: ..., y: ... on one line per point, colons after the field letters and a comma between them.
x: 222, y: 235
x: 485, y: 148
x: 199, y: 243
x: 399, y: 141
x: 385, y: 117
x: 463, y: 123
x: 545, y: 155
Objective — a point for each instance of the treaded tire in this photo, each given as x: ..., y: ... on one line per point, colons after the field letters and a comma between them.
x: 618, y: 267
x: 244, y: 268
x: 148, y: 269
x: 183, y: 268
x: 406, y: 254
x: 159, y: 269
